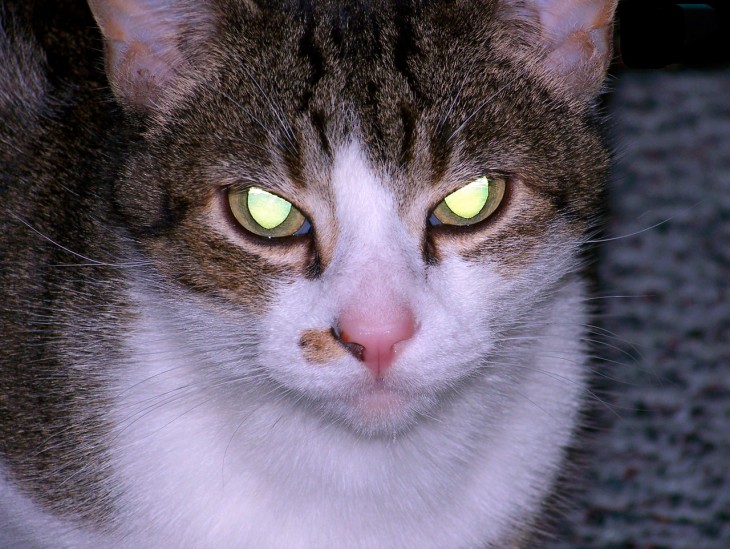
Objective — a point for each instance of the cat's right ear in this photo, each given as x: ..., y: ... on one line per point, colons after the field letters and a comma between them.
x: 150, y: 45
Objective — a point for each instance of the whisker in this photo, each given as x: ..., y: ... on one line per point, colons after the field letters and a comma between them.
x: 612, y: 239
x: 98, y: 264
x: 288, y: 131
x: 457, y: 96
x: 90, y: 262
x: 481, y: 106
x: 258, y: 122
x: 558, y: 377
x: 58, y: 244
x: 605, y: 297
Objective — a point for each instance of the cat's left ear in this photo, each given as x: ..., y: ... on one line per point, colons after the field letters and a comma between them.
x: 573, y: 39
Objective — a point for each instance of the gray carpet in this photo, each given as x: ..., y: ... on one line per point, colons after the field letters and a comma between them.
x: 660, y: 477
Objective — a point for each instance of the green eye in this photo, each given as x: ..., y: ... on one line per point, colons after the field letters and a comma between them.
x: 266, y: 214
x: 470, y: 204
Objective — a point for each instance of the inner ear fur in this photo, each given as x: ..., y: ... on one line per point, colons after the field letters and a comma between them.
x: 149, y: 45
x: 570, y: 40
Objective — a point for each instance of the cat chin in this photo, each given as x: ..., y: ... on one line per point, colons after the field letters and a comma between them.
x: 378, y: 410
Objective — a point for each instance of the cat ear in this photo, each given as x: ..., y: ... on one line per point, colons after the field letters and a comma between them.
x: 574, y: 37
x: 147, y: 45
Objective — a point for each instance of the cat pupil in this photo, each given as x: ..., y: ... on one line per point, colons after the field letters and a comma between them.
x: 468, y: 201
x: 267, y: 209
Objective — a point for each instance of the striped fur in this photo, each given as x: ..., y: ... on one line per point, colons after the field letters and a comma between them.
x: 168, y: 379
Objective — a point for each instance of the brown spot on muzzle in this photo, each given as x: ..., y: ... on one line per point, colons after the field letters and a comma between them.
x: 321, y: 346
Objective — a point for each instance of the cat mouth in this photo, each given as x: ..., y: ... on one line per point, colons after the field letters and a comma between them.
x: 381, y: 409
x: 379, y: 400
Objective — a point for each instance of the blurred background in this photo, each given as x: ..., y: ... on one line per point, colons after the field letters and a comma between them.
x: 659, y: 476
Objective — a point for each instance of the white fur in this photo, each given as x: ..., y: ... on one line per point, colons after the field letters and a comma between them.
x: 226, y: 437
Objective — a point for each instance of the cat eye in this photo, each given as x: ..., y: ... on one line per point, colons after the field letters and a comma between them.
x: 470, y: 204
x: 266, y: 214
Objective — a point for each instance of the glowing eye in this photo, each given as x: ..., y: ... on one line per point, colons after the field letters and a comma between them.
x: 470, y: 204
x: 266, y: 214
x: 268, y: 210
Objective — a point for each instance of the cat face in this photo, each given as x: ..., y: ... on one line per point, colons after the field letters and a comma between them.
x: 311, y: 269
x: 364, y: 124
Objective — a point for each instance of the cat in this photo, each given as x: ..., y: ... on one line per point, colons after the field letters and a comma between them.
x: 294, y: 274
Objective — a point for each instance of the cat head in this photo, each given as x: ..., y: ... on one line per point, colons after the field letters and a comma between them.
x: 382, y: 193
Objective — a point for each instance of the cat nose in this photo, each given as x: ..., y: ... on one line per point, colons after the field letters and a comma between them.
x: 373, y: 339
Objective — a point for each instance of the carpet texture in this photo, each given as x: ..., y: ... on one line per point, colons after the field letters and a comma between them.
x: 660, y: 475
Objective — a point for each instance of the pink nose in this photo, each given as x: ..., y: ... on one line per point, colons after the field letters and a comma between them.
x: 373, y: 340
